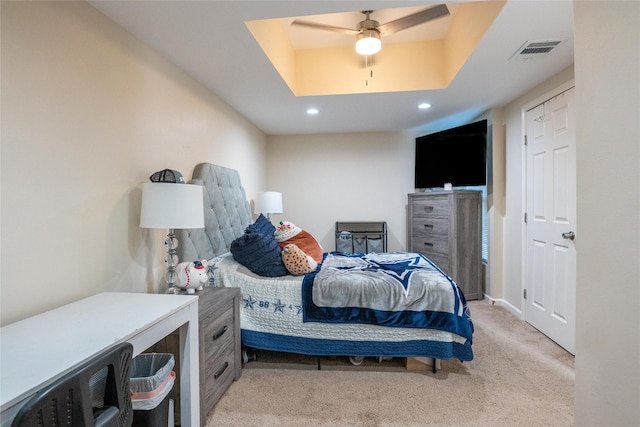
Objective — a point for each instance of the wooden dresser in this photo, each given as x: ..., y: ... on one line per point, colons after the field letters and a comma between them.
x: 219, y: 347
x: 446, y: 226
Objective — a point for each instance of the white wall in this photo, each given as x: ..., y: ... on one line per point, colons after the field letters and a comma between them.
x: 607, y: 63
x: 343, y: 177
x: 88, y: 114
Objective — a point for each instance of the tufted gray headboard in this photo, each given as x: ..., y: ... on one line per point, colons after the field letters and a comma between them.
x: 226, y: 214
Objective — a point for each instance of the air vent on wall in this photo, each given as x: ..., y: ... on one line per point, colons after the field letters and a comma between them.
x: 536, y: 49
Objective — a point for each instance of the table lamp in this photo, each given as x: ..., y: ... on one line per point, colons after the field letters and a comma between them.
x: 268, y: 202
x: 171, y: 205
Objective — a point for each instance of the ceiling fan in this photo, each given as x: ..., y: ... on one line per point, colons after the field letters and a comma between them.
x: 368, y: 32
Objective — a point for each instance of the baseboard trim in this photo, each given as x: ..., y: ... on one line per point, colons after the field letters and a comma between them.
x: 506, y: 304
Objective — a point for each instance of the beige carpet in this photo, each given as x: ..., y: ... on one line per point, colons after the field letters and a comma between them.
x: 518, y: 378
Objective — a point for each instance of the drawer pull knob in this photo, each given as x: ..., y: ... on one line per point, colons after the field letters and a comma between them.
x: 221, y: 370
x: 220, y: 332
x: 428, y: 244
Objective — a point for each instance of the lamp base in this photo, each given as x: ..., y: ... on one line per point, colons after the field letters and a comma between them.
x: 172, y: 290
x: 171, y: 276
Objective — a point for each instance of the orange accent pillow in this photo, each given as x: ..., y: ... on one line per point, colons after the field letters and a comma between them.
x: 307, y: 244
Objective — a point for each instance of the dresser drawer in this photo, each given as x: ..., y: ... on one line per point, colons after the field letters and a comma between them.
x: 441, y: 262
x: 424, y: 227
x: 433, y: 206
x: 431, y: 245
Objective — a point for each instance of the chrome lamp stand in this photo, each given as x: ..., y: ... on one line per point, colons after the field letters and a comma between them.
x: 171, y: 260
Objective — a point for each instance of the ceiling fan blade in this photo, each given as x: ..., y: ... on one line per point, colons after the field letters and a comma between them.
x: 324, y: 27
x: 413, y: 19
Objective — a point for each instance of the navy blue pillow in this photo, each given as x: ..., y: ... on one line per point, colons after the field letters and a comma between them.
x: 258, y: 250
x: 262, y: 226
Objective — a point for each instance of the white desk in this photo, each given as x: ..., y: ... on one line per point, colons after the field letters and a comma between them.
x: 35, y: 352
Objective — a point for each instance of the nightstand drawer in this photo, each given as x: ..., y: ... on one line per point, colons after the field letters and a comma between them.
x: 218, y: 327
x: 437, y: 206
x: 219, y: 371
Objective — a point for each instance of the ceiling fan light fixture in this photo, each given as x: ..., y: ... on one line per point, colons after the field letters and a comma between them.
x: 368, y: 42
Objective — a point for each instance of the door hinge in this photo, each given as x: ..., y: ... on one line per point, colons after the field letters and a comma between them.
x: 526, y: 141
x: 524, y: 293
x: 525, y: 218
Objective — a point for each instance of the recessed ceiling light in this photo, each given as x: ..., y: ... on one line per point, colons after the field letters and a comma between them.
x: 424, y: 106
x: 312, y: 111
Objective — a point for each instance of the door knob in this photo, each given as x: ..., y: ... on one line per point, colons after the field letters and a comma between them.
x: 569, y: 235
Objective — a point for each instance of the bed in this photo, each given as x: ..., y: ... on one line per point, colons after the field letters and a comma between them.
x: 336, y: 310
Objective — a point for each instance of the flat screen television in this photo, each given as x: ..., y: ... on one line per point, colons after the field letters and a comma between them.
x: 456, y: 156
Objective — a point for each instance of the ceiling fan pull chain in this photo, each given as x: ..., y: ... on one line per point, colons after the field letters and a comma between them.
x: 368, y: 70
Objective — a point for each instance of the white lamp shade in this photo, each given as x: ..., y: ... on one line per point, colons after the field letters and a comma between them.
x: 268, y: 202
x: 171, y: 205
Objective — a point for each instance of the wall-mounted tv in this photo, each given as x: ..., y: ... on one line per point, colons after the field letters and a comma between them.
x: 456, y: 156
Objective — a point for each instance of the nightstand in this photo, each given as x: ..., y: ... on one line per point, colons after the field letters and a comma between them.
x: 220, y: 354
x: 219, y: 347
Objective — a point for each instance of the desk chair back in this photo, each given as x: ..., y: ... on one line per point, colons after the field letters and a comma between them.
x: 96, y: 394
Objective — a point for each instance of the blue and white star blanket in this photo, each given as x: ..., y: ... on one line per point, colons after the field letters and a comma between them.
x: 398, y: 289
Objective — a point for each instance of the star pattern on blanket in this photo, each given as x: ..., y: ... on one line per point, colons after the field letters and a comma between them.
x: 278, y: 306
x: 249, y: 302
x: 401, y: 271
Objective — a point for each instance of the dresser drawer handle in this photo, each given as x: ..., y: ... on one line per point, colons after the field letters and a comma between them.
x: 221, y: 370
x: 428, y: 244
x: 428, y: 208
x: 428, y: 226
x: 220, y: 332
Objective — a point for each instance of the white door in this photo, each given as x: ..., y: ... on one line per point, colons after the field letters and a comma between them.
x: 550, y: 272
